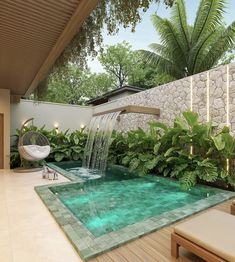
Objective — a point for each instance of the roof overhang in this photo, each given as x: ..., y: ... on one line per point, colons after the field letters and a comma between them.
x: 33, y: 35
x: 105, y: 97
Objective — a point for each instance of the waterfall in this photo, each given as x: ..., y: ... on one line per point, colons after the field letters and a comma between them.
x: 98, y: 141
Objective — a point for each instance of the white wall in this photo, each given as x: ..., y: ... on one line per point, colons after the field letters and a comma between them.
x: 5, y: 109
x: 50, y: 114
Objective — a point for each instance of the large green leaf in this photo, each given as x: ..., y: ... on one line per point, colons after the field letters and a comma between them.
x: 170, y: 151
x: 207, y: 171
x: 126, y: 160
x: 181, y: 123
x: 224, y: 173
x: 156, y: 148
x: 134, y: 163
x: 150, y: 164
x: 188, y: 179
x: 191, y: 118
x: 59, y: 157
x: 156, y: 125
x: 219, y: 142
x: 231, y: 180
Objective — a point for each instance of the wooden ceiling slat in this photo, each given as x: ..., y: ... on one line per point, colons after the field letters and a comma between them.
x: 38, y: 10
x: 65, y: 3
x: 32, y: 35
x: 16, y: 42
x: 26, y: 35
x: 21, y: 46
x: 34, y: 23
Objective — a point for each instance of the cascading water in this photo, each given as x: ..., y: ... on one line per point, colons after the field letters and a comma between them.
x: 98, y: 141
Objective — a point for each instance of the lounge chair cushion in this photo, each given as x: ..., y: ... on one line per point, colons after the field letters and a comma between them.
x: 213, y: 230
x: 34, y: 152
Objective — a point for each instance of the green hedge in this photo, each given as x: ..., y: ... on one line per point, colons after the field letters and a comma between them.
x: 189, y: 151
x: 64, y: 146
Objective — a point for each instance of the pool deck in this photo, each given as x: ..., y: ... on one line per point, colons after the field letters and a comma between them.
x: 29, y: 233
x: 154, y: 247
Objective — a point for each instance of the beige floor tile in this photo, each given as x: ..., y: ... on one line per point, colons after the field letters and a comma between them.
x: 28, y: 232
x: 6, y: 254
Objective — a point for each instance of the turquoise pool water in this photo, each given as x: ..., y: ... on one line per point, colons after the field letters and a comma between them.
x: 115, y: 201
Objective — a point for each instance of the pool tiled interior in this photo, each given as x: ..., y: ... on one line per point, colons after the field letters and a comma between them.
x: 89, y: 243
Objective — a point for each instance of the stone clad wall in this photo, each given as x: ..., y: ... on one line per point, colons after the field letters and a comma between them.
x: 207, y: 97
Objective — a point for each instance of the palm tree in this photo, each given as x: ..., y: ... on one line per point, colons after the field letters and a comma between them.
x: 187, y: 50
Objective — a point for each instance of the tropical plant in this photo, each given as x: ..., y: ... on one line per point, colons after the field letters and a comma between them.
x: 189, y: 151
x: 186, y: 50
x: 64, y: 145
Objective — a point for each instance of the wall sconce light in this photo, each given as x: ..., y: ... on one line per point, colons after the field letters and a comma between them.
x: 56, y: 126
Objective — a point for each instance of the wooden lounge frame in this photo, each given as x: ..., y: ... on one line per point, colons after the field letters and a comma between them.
x: 177, y: 241
x: 233, y: 209
x: 132, y: 109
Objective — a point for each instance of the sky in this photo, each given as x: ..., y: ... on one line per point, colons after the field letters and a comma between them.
x: 145, y: 33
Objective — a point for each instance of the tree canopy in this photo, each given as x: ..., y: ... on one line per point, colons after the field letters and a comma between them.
x: 187, y: 50
x: 120, y: 61
x: 110, y: 14
x: 76, y: 86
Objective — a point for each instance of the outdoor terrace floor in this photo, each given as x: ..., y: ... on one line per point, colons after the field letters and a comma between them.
x: 29, y: 233
x: 154, y: 247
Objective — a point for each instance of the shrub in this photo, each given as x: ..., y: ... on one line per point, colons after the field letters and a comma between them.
x: 64, y: 145
x: 189, y: 151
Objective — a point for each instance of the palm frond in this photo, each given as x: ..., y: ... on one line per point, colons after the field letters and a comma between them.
x: 179, y: 18
x: 200, y: 50
x: 225, y: 41
x: 163, y: 50
x: 209, y: 16
x: 162, y: 64
x: 169, y: 37
x: 168, y: 53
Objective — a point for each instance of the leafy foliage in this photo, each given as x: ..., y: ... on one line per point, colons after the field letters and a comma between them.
x: 75, y: 86
x: 123, y: 66
x: 119, y: 61
x: 187, y: 50
x: 189, y: 151
x: 109, y: 14
x: 64, y: 145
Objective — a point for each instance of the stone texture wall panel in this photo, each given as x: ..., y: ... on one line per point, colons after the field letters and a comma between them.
x: 175, y: 97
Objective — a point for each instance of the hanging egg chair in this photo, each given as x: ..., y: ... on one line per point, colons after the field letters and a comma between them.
x: 32, y: 145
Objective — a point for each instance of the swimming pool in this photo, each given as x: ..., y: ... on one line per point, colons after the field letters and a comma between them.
x: 98, y: 213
